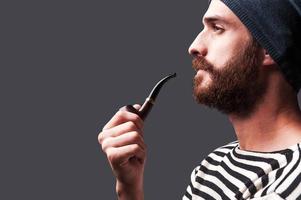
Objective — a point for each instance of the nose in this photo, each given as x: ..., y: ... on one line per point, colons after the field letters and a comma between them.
x: 198, y: 48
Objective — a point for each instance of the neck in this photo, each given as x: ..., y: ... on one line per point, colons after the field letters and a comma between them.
x: 274, y: 125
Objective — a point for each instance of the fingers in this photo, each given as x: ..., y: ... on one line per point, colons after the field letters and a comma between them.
x: 123, y: 116
x: 118, y: 130
x: 128, y: 138
x: 121, y: 155
x: 122, y: 137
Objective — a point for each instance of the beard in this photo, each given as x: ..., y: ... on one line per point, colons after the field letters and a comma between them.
x: 236, y: 88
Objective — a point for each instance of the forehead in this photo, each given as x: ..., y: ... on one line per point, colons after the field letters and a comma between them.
x: 220, y: 10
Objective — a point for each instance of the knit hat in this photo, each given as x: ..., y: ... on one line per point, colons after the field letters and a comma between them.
x: 276, y: 25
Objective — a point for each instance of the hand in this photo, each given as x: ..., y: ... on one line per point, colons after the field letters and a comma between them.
x: 122, y: 141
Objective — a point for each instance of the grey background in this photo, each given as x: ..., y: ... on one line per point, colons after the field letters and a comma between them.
x: 68, y: 66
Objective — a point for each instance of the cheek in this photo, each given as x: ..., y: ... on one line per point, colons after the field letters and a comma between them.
x: 222, y: 50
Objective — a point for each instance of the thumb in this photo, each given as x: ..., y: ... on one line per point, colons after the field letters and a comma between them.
x: 137, y: 106
x: 132, y: 109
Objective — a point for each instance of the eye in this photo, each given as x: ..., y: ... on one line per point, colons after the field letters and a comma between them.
x: 217, y: 28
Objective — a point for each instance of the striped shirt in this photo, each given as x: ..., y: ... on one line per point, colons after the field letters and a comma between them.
x: 231, y: 173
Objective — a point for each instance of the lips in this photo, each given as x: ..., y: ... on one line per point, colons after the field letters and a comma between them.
x: 200, y: 72
x: 201, y: 64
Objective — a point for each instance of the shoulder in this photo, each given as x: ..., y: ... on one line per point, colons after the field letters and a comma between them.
x: 227, y: 147
x: 216, y: 156
x: 222, y: 151
x: 289, y: 183
x: 206, y: 167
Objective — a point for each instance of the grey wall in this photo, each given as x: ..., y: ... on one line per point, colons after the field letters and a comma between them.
x: 66, y: 68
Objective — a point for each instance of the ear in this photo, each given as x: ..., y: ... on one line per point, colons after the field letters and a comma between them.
x: 267, y: 59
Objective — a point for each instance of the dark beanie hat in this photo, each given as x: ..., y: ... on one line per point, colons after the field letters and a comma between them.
x: 276, y: 25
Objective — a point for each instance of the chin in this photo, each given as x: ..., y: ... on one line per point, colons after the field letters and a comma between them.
x: 200, y: 90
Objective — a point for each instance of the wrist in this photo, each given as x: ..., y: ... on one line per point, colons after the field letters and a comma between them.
x: 129, y: 192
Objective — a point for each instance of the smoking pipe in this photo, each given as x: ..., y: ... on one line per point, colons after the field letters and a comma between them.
x: 150, y: 100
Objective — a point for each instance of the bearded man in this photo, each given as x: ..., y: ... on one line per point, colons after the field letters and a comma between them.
x: 248, y: 62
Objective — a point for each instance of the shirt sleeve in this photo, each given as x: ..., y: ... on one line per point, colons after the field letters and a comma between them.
x: 189, y: 191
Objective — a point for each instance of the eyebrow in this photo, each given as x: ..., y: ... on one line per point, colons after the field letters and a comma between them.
x: 216, y: 18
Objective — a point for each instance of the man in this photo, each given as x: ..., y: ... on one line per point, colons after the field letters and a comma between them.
x: 248, y: 64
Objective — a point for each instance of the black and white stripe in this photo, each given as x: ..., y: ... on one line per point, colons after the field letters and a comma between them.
x: 231, y: 173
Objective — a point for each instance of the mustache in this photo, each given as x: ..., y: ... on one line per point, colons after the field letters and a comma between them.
x: 202, y: 64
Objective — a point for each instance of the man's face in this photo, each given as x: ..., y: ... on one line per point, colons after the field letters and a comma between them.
x: 227, y: 61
